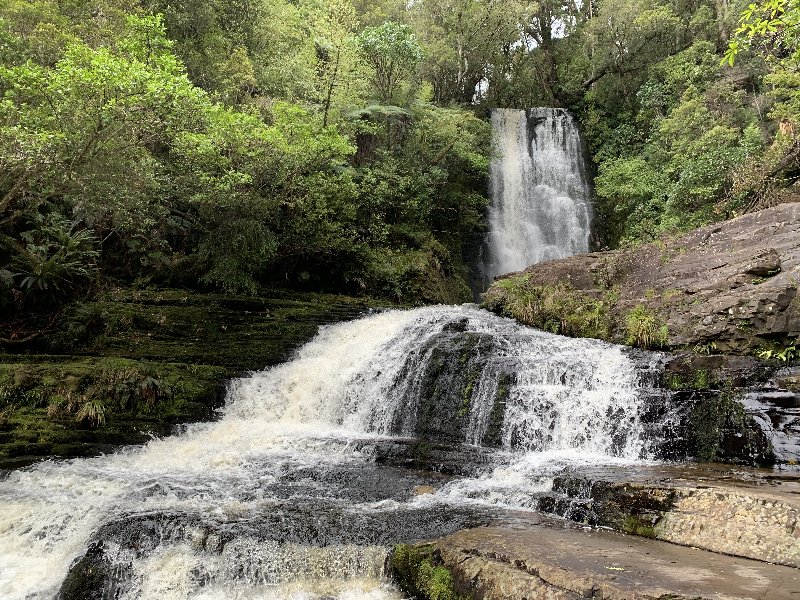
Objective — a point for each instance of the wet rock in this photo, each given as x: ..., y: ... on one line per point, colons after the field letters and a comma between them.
x: 690, y: 370
x: 107, y: 568
x: 447, y: 459
x: 90, y: 578
x: 761, y: 523
x: 548, y: 560
x: 441, y: 381
x: 777, y: 412
x: 788, y: 378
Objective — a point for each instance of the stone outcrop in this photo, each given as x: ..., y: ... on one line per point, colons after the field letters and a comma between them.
x: 731, y: 287
x: 548, y: 560
x: 752, y: 519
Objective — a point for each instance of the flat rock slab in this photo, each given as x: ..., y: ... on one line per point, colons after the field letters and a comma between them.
x: 743, y: 512
x: 549, y: 560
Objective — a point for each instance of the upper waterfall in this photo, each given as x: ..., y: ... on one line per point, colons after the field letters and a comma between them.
x: 540, y: 193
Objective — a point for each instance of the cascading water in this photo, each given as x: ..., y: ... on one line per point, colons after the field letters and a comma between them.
x: 540, y: 194
x: 287, y: 496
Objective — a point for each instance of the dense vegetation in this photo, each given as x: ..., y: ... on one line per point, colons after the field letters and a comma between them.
x: 343, y: 145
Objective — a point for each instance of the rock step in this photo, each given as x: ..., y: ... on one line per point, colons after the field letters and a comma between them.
x: 758, y: 520
x: 549, y: 560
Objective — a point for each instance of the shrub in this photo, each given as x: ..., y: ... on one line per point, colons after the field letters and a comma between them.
x: 555, y: 308
x: 57, y: 258
x: 643, y: 328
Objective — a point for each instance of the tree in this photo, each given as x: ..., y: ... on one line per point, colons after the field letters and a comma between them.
x: 393, y: 52
x: 771, y: 26
x: 341, y: 71
x: 462, y: 38
x: 79, y: 134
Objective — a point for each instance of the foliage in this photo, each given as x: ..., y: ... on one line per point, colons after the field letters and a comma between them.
x: 466, y: 41
x: 787, y: 354
x: 644, y: 328
x: 57, y: 257
x: 555, y: 308
x: 229, y: 145
x: 344, y: 145
x: 771, y: 25
x: 394, y: 53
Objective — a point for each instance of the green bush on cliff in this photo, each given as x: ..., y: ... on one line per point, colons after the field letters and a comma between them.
x: 557, y: 308
x: 643, y: 328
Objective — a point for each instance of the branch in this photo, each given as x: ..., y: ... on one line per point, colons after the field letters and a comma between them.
x: 620, y: 69
x: 33, y: 336
x: 9, y: 197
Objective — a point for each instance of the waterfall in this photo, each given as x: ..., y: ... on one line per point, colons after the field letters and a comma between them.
x: 539, y: 191
x: 285, y: 496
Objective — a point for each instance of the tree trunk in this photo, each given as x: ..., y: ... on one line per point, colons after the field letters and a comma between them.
x: 330, y: 88
x: 722, y: 21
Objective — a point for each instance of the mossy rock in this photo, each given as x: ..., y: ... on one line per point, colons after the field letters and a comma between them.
x: 239, y: 333
x: 90, y: 405
x: 418, y: 571
x: 720, y: 430
x: 135, y: 363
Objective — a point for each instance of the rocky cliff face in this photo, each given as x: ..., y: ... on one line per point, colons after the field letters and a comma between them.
x: 731, y: 287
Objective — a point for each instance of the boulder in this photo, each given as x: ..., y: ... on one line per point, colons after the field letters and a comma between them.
x: 730, y: 287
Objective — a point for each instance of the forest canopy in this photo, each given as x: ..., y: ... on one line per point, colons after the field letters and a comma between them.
x: 344, y: 145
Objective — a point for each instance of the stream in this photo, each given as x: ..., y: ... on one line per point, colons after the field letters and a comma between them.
x: 399, y: 426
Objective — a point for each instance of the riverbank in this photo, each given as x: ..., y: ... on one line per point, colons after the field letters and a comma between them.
x: 658, y: 531
x: 132, y: 364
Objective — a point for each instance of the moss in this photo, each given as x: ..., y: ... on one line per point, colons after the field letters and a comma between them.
x: 722, y: 431
x: 239, y: 333
x: 473, y: 374
x: 639, y: 525
x: 135, y: 363
x: 419, y: 573
x: 698, y: 380
x: 557, y: 308
x: 85, y: 405
x: 494, y: 431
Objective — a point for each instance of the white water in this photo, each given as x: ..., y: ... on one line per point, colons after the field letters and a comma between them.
x: 540, y: 195
x: 574, y: 402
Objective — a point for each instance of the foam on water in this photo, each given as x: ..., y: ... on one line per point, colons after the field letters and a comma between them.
x: 571, y: 402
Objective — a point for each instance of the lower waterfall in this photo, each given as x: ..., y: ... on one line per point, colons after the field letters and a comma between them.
x: 292, y: 493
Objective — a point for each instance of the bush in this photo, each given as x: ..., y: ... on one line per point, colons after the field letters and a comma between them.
x: 57, y: 259
x: 555, y: 308
x: 643, y: 328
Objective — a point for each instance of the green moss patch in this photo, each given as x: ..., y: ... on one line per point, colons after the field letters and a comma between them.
x: 237, y: 332
x: 419, y: 573
x: 85, y: 406
x: 135, y: 363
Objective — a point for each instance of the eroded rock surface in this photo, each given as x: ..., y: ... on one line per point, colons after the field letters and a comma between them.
x: 742, y: 513
x: 553, y: 561
x: 730, y: 287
